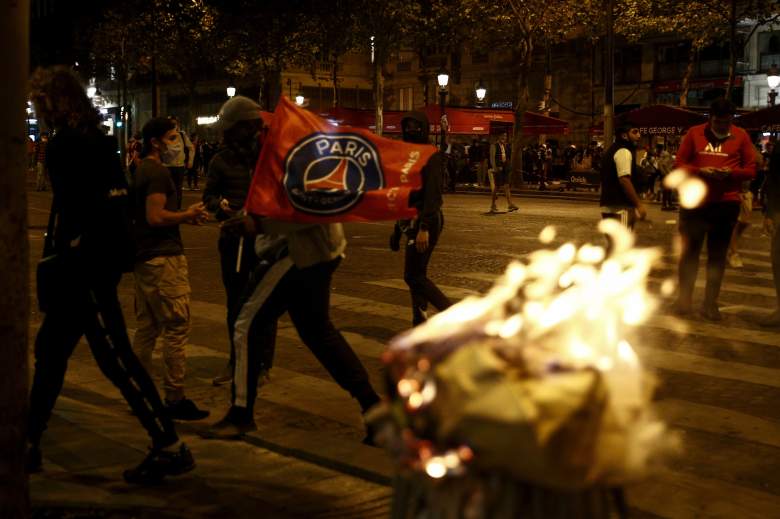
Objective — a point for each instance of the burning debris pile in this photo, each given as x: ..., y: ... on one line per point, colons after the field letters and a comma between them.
x: 536, y: 379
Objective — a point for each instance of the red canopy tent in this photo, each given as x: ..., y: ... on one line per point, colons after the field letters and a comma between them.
x: 483, y: 121
x: 657, y: 120
x: 764, y: 120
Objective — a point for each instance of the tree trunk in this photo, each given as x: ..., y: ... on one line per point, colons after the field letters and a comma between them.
x: 686, y: 80
x: 14, y: 305
x: 379, y: 97
x: 336, y: 99
x: 521, y: 105
x: 155, y: 89
x: 732, y: 47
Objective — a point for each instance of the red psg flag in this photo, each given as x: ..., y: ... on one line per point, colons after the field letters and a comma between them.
x: 313, y: 171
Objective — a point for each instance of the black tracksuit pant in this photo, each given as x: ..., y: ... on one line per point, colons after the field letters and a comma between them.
x: 235, y: 282
x: 94, y: 312
x: 715, y: 223
x: 422, y: 289
x: 305, y: 295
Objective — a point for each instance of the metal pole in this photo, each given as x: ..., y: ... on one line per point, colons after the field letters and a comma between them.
x: 442, y: 101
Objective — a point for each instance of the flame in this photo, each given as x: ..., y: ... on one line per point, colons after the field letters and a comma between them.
x: 692, y: 190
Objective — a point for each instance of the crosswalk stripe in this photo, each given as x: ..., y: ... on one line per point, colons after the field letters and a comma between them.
x: 727, y: 286
x: 720, y: 421
x: 681, y: 495
x: 665, y: 322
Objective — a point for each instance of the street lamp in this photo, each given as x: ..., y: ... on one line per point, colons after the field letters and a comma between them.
x: 231, y: 91
x: 481, y: 91
x: 299, y: 99
x: 443, y: 79
x: 91, y: 91
x: 773, y: 80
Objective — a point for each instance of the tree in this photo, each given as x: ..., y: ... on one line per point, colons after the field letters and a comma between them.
x: 383, y: 28
x: 14, y: 305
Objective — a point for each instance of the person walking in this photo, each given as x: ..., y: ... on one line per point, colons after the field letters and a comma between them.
x: 665, y: 164
x: 423, y: 231
x: 87, y: 248
x: 179, y: 159
x: 227, y: 185
x: 722, y: 155
x: 500, y: 173
x: 162, y: 287
x: 297, y: 282
x: 619, y: 198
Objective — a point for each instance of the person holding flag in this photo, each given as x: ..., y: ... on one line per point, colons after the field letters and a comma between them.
x: 310, y: 177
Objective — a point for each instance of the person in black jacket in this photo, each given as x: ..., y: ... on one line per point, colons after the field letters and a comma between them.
x: 89, y: 247
x: 423, y: 232
x: 227, y: 185
x: 619, y: 199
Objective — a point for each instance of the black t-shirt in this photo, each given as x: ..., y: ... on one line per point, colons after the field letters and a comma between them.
x: 151, y: 242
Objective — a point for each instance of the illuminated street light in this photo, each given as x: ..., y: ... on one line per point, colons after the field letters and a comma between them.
x: 299, y: 100
x: 443, y: 78
x: 481, y: 91
x: 91, y: 91
x: 231, y: 91
x: 773, y: 80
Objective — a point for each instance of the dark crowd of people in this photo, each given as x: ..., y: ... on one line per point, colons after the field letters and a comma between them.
x: 109, y: 218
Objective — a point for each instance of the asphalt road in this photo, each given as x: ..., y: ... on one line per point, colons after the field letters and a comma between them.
x: 719, y: 384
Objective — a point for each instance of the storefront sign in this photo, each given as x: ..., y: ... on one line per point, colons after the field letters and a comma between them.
x: 662, y: 130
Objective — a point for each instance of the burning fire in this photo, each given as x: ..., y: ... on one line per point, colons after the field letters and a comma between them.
x: 565, y: 311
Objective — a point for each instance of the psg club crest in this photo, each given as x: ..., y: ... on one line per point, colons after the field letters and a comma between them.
x: 327, y: 174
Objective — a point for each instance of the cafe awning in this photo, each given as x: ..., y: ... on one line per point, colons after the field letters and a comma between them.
x: 764, y: 120
x: 657, y: 120
x: 540, y: 124
x: 366, y: 119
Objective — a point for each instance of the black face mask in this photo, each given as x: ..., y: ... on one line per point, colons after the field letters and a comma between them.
x: 413, y: 134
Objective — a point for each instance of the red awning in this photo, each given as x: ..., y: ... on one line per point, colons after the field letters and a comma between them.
x: 540, y: 124
x: 471, y: 121
x: 764, y: 120
x: 657, y: 120
x: 366, y: 119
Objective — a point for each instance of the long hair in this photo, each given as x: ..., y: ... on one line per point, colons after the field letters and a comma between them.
x: 60, y: 99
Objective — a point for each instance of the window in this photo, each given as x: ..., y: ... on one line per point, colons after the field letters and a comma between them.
x: 406, y: 98
x: 404, y: 66
x: 628, y: 64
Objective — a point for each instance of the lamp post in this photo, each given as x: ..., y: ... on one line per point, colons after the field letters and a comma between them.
x: 773, y: 80
x: 231, y: 91
x: 299, y: 99
x: 443, y: 79
x: 481, y: 92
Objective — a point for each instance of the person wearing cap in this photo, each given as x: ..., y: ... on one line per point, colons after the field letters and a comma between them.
x: 619, y: 199
x: 227, y: 185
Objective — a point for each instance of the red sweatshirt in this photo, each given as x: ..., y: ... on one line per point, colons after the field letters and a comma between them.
x: 736, y: 153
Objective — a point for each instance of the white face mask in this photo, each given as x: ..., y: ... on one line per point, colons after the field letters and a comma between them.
x: 171, y: 152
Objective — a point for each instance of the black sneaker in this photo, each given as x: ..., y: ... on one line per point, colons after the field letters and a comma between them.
x: 185, y: 409
x: 711, y: 313
x: 160, y: 463
x: 33, y: 461
x: 228, y: 429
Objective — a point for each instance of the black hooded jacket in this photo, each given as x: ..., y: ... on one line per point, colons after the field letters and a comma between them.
x: 428, y: 200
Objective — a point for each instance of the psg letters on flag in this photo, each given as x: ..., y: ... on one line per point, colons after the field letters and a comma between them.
x: 311, y: 170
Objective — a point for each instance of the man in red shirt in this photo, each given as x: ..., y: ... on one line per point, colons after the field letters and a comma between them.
x: 723, y: 157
